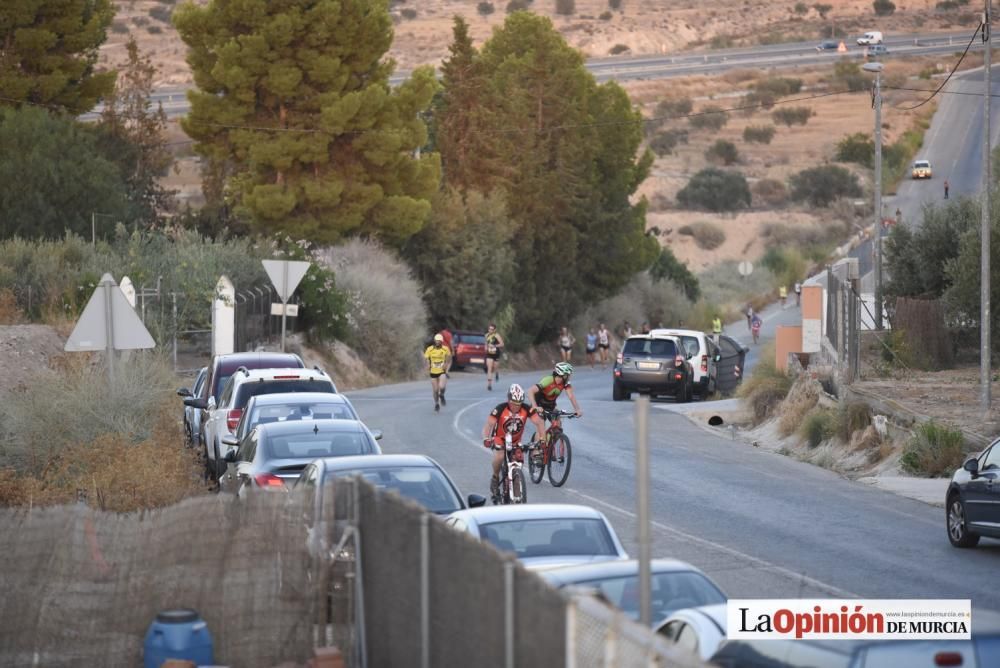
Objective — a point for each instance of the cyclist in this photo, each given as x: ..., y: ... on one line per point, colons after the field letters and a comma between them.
x: 544, y: 393
x: 494, y: 346
x: 438, y: 365
x: 510, y: 417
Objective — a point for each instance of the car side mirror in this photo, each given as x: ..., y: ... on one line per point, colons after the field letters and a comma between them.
x: 972, y: 466
x: 195, y: 402
x: 230, y: 456
x: 377, y: 434
x: 230, y: 440
x: 476, y: 500
x: 717, y: 357
x: 183, y: 392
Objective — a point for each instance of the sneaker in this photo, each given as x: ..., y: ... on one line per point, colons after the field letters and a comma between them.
x: 559, y: 460
x: 489, y: 386
x: 496, y: 376
x: 437, y: 407
x: 443, y: 402
x: 495, y: 490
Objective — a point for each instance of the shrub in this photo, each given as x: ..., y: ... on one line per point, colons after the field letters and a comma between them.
x: 758, y: 134
x: 386, y: 317
x: 722, y: 151
x: 618, y: 48
x: 615, y: 4
x: 766, y: 387
x: 673, y: 106
x: 485, y: 8
x: 606, y: 16
x: 786, y: 264
x: 723, y: 286
x: 708, y: 236
x: 822, y: 9
x: 934, y: 450
x: 884, y: 7
x: 848, y: 74
x: 818, y: 426
x: 801, y: 8
x: 664, y: 143
x: 779, y: 86
x: 852, y: 416
x: 119, y: 27
x: 517, y: 5
x: 668, y: 267
x: 792, y: 115
x: 161, y: 14
x: 822, y: 185
x: 946, y: 5
x: 858, y: 148
x: 770, y: 192
x: 709, y: 117
x: 140, y: 21
x: 715, y: 190
x: 721, y: 42
x: 408, y: 13
x: 642, y: 300
x: 154, y: 30
x: 566, y: 7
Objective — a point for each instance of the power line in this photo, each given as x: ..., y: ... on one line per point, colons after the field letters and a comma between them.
x: 945, y: 92
x: 953, y: 70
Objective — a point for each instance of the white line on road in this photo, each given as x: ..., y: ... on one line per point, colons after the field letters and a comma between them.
x: 780, y: 570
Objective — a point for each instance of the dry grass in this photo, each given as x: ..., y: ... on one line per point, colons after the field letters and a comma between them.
x: 766, y: 387
x: 935, y: 449
x: 10, y: 313
x: 800, y: 402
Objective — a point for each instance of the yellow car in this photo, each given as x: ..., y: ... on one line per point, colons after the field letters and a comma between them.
x: 921, y: 169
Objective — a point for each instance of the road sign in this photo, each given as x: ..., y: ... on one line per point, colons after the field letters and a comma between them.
x: 128, y: 290
x: 291, y: 310
x: 285, y: 275
x: 745, y: 268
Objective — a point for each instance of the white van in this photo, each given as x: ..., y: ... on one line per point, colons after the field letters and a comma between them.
x: 702, y: 354
x: 869, y: 38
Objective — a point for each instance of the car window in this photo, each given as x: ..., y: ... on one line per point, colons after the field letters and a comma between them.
x: 313, y: 445
x: 247, y: 449
x: 425, y: 485
x: 653, y: 347
x: 300, y: 411
x: 670, y: 592
x: 470, y: 338
x: 691, y: 345
x: 199, y: 382
x: 550, y: 537
x: 220, y: 382
x: 728, y: 348
x: 991, y: 460
x: 255, y: 388
x: 227, y: 393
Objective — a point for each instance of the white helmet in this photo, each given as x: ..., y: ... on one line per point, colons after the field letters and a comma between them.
x: 516, y: 393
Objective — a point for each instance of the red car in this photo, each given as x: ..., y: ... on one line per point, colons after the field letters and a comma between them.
x: 468, y: 349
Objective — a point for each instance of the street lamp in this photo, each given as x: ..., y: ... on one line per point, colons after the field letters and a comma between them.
x: 877, y: 104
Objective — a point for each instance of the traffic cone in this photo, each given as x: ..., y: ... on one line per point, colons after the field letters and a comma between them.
x: 842, y: 48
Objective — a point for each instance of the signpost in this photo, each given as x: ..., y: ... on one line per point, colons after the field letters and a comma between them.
x: 108, y: 323
x: 745, y: 268
x: 642, y: 501
x: 285, y: 275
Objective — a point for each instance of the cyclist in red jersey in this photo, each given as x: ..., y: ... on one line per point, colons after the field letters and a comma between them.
x: 510, y: 417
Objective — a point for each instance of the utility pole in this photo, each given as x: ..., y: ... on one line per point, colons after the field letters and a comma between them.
x: 879, y: 228
x: 984, y: 277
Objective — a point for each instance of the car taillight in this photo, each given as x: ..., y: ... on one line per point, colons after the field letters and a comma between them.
x: 948, y: 659
x: 679, y: 361
x: 268, y: 480
x: 736, y: 371
x: 233, y: 418
x: 679, y: 376
x: 704, y: 363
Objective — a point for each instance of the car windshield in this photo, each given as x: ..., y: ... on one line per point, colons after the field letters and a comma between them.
x: 321, y: 443
x: 253, y: 388
x: 550, y: 537
x: 470, y: 338
x: 670, y: 592
x: 424, y: 484
x: 653, y: 347
x: 921, y: 163
x: 299, y: 411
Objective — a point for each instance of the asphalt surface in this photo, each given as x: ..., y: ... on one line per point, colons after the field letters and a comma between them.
x: 760, y: 524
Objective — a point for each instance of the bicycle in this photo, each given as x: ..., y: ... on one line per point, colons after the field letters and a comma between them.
x: 556, y: 452
x: 513, y: 487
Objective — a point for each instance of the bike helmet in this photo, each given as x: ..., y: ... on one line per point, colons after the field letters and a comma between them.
x: 564, y: 369
x: 516, y: 393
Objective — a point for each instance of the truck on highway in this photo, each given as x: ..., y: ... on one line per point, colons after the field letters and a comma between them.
x: 869, y: 38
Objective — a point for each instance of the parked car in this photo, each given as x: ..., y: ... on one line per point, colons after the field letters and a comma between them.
x: 469, y: 349
x: 697, y: 632
x: 192, y: 416
x: 268, y: 408
x: 972, y: 503
x: 870, y: 37
x: 654, y: 365
x: 416, y: 477
x: 543, y: 535
x: 922, y: 169
x: 982, y: 651
x: 702, y: 354
x: 274, y: 455
x: 224, y: 417
x: 675, y: 585
x: 876, y: 50
x: 219, y: 371
x: 828, y: 45
x: 730, y: 365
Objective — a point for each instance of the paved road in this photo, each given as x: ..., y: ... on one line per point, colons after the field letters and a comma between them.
x: 760, y: 524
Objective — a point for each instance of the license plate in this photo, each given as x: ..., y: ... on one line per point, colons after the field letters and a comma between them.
x: 651, y: 366
x: 475, y: 360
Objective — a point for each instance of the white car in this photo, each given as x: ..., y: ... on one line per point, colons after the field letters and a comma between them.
x: 696, y: 631
x: 869, y: 38
x: 543, y: 535
x: 701, y: 352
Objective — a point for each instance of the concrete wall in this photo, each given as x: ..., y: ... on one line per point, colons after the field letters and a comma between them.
x: 787, y: 340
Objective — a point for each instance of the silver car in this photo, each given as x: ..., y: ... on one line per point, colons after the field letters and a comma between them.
x: 270, y: 408
x: 543, y: 535
x: 192, y: 415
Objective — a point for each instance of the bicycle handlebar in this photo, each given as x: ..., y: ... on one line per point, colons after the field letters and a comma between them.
x: 559, y: 413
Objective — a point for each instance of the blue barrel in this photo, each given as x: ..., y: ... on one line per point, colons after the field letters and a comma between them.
x: 178, y: 634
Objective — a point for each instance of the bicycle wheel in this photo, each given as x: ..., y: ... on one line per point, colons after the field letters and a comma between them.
x: 520, y: 487
x: 560, y: 461
x: 536, y: 471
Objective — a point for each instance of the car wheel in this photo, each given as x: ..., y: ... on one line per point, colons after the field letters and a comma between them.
x: 617, y: 391
x: 958, y: 531
x: 682, y: 396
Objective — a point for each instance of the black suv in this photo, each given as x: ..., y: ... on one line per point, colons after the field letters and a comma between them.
x: 972, y: 504
x: 653, y: 365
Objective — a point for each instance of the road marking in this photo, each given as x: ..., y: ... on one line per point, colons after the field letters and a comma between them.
x: 704, y: 542
x: 458, y: 430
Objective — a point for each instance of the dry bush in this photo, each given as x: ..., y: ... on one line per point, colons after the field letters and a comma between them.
x: 853, y: 417
x: 707, y: 235
x: 799, y: 403
x: 769, y: 192
x: 386, y: 315
x: 642, y: 300
x: 818, y: 426
x: 867, y: 440
x: 10, y: 312
x: 934, y: 450
x: 766, y: 387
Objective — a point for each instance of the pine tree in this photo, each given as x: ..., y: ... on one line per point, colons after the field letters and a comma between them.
x: 294, y: 106
x: 48, y: 53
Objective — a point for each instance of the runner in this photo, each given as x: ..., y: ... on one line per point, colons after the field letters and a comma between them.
x: 494, y: 348
x: 603, y: 342
x: 591, y: 347
x: 565, y: 342
x: 438, y: 365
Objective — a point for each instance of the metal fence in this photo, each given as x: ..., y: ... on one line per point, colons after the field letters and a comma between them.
x: 841, y: 334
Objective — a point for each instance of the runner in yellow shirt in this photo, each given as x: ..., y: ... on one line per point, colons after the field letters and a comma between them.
x: 783, y: 293
x: 438, y: 365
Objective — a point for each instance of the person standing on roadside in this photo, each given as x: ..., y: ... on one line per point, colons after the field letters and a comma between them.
x: 716, y: 328
x: 798, y: 293
x: 438, y: 358
x: 603, y: 342
x: 591, y: 346
x: 645, y: 328
x: 946, y: 188
x: 749, y: 314
x: 565, y: 342
x: 627, y: 330
x: 494, y: 348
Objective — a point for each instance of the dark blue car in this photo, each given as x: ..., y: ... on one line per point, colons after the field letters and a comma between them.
x: 972, y: 505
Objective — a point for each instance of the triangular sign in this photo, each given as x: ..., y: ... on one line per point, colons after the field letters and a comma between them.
x: 91, y: 331
x: 842, y: 48
x: 285, y: 275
